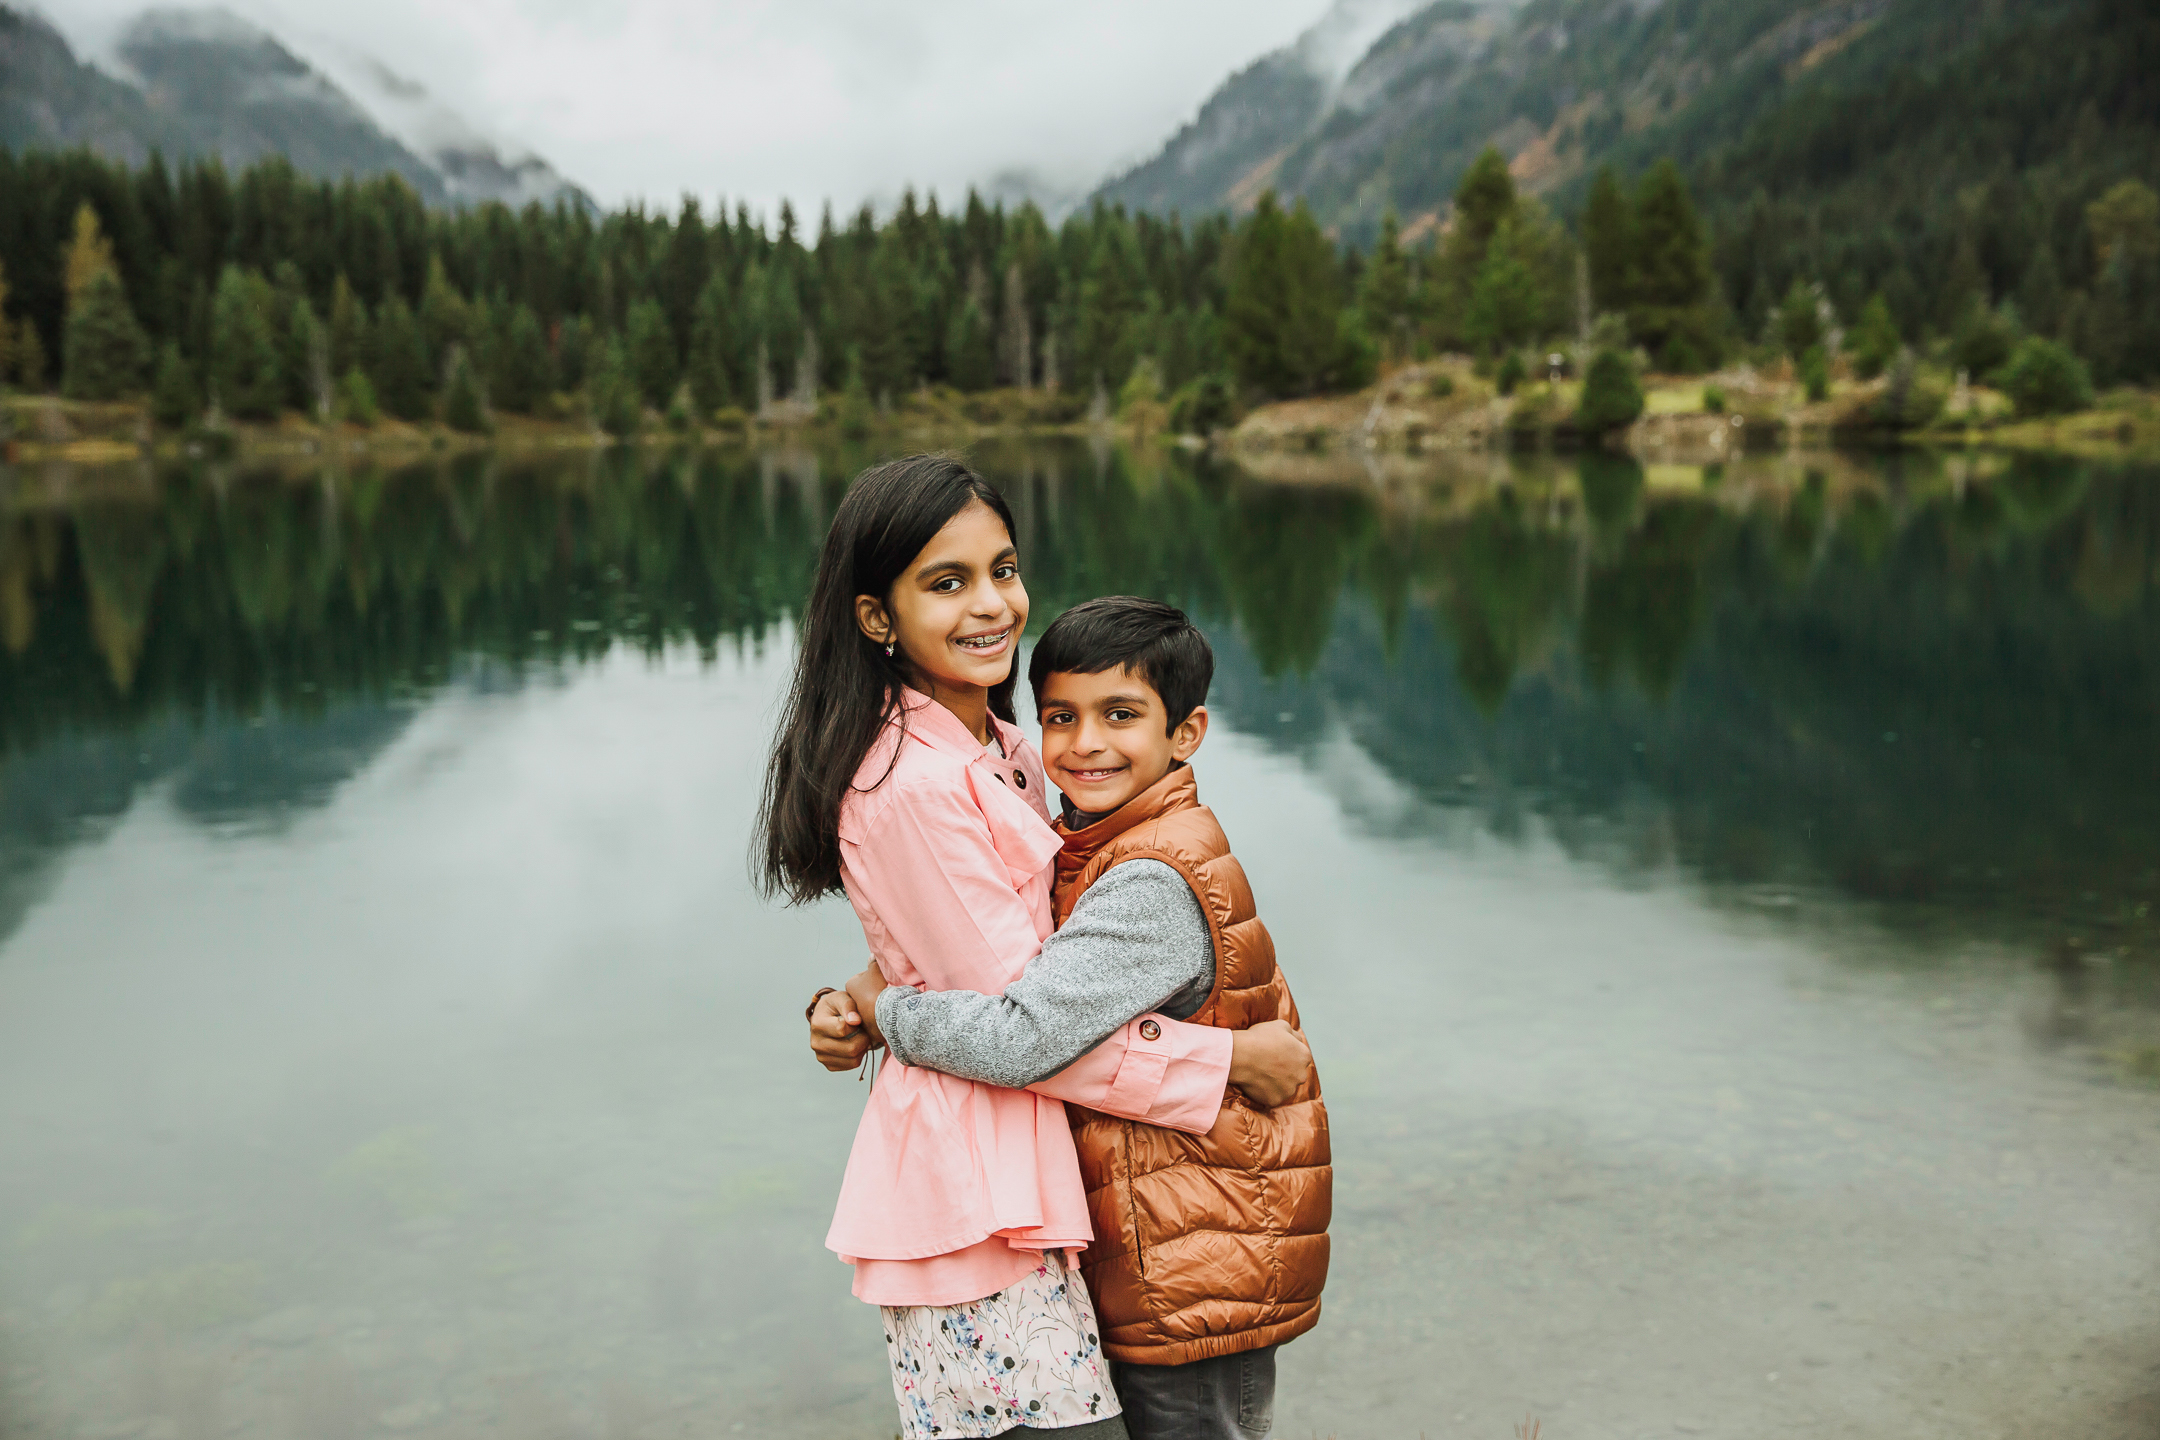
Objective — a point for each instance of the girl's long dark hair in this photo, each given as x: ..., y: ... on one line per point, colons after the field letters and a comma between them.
x: 844, y: 684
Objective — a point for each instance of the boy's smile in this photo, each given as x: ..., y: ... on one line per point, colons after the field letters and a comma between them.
x: 1104, y: 739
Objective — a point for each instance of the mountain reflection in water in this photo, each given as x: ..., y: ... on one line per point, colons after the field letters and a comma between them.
x: 1899, y: 678
x: 1724, y: 905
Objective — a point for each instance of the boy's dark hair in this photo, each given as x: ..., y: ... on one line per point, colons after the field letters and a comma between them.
x: 1153, y: 640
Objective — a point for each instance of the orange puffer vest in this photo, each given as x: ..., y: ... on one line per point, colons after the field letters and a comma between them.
x: 1204, y: 1244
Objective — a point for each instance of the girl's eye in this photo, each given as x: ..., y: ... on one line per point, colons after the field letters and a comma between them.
x: 1006, y: 571
x: 947, y: 586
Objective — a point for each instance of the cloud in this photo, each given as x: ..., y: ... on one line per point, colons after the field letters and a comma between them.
x: 815, y: 100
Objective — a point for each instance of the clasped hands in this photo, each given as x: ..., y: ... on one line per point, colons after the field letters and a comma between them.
x: 1267, y: 1062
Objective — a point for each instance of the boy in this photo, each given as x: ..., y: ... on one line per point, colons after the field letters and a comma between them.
x: 1197, y: 1277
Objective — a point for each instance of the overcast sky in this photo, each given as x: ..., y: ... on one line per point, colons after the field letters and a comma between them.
x: 812, y: 99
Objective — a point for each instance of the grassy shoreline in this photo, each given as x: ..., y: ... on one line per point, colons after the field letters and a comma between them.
x: 1432, y: 408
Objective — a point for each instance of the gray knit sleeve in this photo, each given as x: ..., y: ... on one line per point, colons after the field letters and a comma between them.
x: 1137, y: 942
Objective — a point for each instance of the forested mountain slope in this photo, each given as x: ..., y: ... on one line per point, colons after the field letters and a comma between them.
x: 49, y: 98
x: 1861, y: 142
x: 1226, y: 154
x: 202, y: 82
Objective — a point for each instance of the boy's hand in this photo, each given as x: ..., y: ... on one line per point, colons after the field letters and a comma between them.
x: 841, y: 1033
x: 1267, y: 1062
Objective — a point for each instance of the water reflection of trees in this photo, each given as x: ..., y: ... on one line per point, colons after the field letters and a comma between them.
x: 1588, y: 634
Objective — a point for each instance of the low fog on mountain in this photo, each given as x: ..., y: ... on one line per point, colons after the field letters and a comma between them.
x: 814, y: 101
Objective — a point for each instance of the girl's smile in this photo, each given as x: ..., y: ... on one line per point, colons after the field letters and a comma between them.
x: 955, y: 615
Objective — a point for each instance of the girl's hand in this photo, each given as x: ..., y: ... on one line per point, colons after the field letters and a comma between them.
x: 862, y: 994
x: 837, y: 1036
x: 1267, y: 1062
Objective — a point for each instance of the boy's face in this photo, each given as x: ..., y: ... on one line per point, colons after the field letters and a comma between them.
x: 1103, y: 736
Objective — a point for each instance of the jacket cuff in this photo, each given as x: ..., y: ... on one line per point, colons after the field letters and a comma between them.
x: 1174, y: 1075
x: 892, y: 1019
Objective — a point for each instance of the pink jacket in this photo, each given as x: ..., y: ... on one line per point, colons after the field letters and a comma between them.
x: 946, y: 853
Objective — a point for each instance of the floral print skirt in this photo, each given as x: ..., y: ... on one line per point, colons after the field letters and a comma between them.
x: 1029, y: 1355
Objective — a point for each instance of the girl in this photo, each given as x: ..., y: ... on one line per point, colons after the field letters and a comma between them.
x: 898, y: 775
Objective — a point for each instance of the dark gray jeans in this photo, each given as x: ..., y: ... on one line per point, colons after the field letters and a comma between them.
x: 1231, y: 1397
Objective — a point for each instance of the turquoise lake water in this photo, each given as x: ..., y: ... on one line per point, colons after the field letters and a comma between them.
x: 1725, y: 907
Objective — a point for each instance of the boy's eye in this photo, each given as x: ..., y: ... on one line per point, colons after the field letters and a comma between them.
x: 1121, y: 715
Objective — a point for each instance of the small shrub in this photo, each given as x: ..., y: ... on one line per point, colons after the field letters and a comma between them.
x: 680, y: 415
x: 1203, y: 405
x: 1510, y: 374
x: 1815, y: 374
x: 1713, y: 400
x: 1612, y: 394
x: 2044, y: 378
x: 731, y: 420
x: 1680, y: 357
x: 1983, y: 340
x: 1440, y: 386
x: 1906, y: 401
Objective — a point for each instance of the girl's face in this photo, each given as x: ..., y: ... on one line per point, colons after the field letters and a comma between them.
x: 957, y: 611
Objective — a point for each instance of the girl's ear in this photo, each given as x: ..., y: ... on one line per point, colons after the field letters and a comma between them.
x: 1190, y: 732
x: 871, y: 617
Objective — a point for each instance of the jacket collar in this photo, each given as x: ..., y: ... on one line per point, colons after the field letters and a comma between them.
x: 941, y: 730
x: 1177, y: 790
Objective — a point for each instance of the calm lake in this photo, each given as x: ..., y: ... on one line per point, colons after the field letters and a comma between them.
x: 1725, y: 906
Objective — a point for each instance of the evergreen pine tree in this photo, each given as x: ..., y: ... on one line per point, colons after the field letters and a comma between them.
x: 1875, y: 341
x: 7, y: 331
x: 1016, y: 346
x: 356, y: 403
x: 650, y: 353
x: 1607, y: 244
x: 1384, y: 291
x: 1964, y: 286
x: 712, y: 348
x: 173, y: 400
x: 570, y: 347
x: 464, y: 407
x: 445, y: 318
x: 1505, y: 301
x: 970, y: 357
x: 1282, y: 326
x: 2122, y: 323
x: 29, y: 356
x: 2040, y: 294
x: 304, y: 359
x: 523, y: 371
x: 1485, y: 197
x: 397, y: 361
x: 245, y: 378
x: 89, y: 254
x: 1799, y: 319
x: 348, y: 327
x: 107, y: 352
x: 1669, y: 273
x: 612, y: 396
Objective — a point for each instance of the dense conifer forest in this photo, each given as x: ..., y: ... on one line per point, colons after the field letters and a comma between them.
x: 265, y: 292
